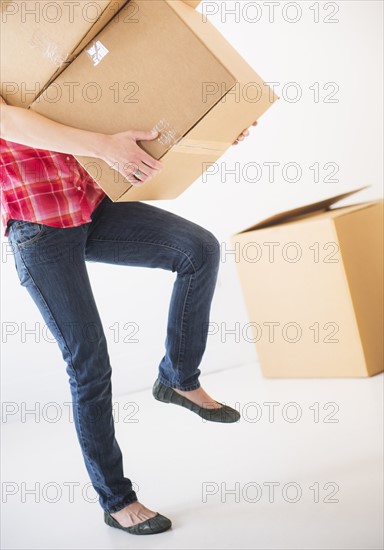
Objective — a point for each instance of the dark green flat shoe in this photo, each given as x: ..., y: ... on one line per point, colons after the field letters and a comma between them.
x: 168, y: 395
x: 151, y: 526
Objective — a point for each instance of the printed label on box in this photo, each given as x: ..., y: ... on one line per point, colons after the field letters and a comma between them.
x: 97, y: 52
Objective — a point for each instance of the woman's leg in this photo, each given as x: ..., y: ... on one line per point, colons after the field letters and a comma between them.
x: 138, y: 234
x: 51, y: 265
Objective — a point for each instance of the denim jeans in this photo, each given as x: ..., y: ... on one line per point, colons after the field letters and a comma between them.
x: 51, y: 264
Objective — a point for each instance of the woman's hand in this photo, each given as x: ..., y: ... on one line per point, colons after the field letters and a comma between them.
x: 122, y: 153
x: 243, y: 135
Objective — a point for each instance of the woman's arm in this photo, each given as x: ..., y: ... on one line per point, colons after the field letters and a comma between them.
x: 121, y: 150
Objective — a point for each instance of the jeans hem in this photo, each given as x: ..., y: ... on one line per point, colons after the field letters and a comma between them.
x: 119, y: 507
x: 181, y: 387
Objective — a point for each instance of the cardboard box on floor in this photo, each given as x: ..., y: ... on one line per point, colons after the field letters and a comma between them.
x: 39, y: 39
x: 312, y: 280
x: 170, y: 71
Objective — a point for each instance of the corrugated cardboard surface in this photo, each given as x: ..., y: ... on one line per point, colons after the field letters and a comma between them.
x: 38, y: 38
x: 109, y: 13
x: 322, y: 289
x: 193, y: 3
x: 153, y: 74
x: 360, y: 235
x: 153, y: 71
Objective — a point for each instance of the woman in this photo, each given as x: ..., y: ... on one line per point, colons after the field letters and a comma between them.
x: 56, y: 217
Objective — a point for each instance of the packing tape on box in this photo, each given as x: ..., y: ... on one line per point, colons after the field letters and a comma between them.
x: 196, y: 147
x: 50, y: 49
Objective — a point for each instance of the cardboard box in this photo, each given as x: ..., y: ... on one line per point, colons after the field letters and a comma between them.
x: 312, y: 280
x: 40, y: 38
x: 169, y: 71
x: 193, y: 3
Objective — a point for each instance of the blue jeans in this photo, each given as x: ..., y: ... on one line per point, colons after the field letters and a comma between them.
x: 51, y: 264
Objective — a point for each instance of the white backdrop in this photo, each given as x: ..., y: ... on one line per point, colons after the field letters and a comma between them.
x: 327, y: 60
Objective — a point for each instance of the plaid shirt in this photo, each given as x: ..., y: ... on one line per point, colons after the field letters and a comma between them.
x: 45, y: 187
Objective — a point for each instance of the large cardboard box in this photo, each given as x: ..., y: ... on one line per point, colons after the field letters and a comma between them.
x: 170, y: 71
x: 193, y: 3
x: 312, y: 280
x: 40, y: 38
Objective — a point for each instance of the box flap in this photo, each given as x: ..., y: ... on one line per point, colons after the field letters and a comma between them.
x: 301, y: 211
x: 110, y: 11
x: 37, y: 41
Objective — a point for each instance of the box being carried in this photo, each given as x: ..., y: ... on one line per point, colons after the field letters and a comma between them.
x: 160, y: 66
x: 312, y: 280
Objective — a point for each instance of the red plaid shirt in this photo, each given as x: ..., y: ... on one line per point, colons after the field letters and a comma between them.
x: 45, y: 187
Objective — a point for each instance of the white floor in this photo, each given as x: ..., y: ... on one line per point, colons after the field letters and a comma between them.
x: 213, y: 480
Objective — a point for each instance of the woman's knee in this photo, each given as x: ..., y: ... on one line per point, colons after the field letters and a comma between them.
x: 202, y: 250
x: 211, y: 246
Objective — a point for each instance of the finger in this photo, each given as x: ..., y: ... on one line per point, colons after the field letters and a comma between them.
x: 254, y: 123
x: 133, y: 168
x: 139, y: 176
x: 145, y: 157
x: 149, y: 172
x: 140, y: 173
x: 129, y: 169
x: 144, y: 136
x: 240, y: 138
x: 150, y: 161
x: 132, y: 173
x: 133, y: 180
